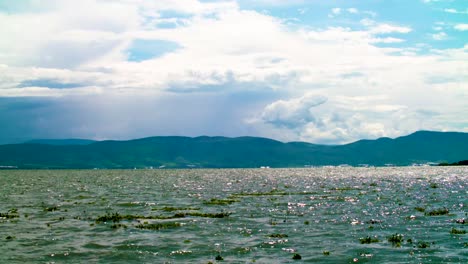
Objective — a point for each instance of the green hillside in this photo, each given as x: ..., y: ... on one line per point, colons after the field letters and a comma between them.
x: 241, y: 152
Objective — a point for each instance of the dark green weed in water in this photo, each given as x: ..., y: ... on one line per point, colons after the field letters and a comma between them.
x: 422, y: 244
x: 278, y: 235
x: 396, y: 239
x: 116, y: 217
x: 214, y: 201
x: 440, y: 211
x: 172, y: 209
x: 420, y: 209
x: 208, y: 215
x: 12, y: 213
x: 115, y: 226
x: 296, y: 256
x: 455, y: 231
x: 51, y: 208
x: 158, y: 226
x: 368, y: 240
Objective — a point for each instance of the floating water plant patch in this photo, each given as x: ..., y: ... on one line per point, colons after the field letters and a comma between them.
x: 368, y: 240
x: 440, y: 211
x: 158, y: 226
x: 12, y: 213
x: 115, y: 226
x: 422, y: 244
x: 208, y: 215
x: 420, y: 209
x: 455, y: 231
x: 296, y: 256
x: 278, y: 235
x: 116, y: 217
x: 51, y: 209
x: 396, y: 239
x: 172, y: 209
x: 214, y: 201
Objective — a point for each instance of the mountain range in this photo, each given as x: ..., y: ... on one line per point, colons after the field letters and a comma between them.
x: 242, y: 152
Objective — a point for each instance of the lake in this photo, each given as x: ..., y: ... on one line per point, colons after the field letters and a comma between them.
x: 323, y: 215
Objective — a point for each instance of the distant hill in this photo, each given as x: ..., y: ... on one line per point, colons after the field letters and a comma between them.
x: 60, y: 142
x: 242, y: 152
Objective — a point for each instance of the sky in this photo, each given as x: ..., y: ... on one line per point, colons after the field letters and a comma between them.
x: 320, y: 71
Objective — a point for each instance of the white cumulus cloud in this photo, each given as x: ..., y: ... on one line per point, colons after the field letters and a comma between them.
x: 461, y: 27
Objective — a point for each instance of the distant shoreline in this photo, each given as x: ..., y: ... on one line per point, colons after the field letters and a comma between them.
x: 455, y: 164
x: 459, y: 163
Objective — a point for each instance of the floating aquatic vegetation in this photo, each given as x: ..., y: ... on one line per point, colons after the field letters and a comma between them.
x: 296, y: 256
x: 422, y: 244
x: 116, y: 217
x: 326, y: 253
x: 455, y: 231
x: 396, y: 239
x: 208, y: 215
x: 12, y: 213
x: 278, y: 235
x: 420, y: 209
x: 115, y: 226
x: 172, y: 209
x: 158, y: 226
x: 368, y: 240
x: 214, y: 201
x: 51, y: 209
x: 440, y: 211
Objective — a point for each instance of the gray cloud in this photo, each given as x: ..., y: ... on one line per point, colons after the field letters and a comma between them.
x: 292, y: 113
x: 127, y: 117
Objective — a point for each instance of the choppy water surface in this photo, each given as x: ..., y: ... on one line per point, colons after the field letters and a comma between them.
x: 329, y: 215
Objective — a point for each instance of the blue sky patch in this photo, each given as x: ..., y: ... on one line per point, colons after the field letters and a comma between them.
x: 49, y: 83
x: 144, y: 49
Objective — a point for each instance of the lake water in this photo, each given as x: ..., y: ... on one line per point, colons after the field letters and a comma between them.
x: 326, y: 215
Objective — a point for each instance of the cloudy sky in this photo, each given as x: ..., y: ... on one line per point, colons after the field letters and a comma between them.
x: 320, y: 71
